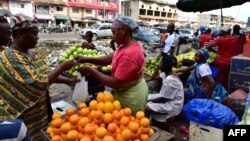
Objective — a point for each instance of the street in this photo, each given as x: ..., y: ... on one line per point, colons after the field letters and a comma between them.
x: 59, y: 36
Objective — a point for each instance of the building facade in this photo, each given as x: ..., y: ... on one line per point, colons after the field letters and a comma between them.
x: 150, y: 11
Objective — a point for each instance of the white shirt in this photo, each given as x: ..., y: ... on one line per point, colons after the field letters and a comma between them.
x: 172, y: 89
x: 169, y: 42
x: 204, y: 70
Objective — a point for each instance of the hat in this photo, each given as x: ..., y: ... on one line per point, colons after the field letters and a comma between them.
x: 21, y: 21
x: 225, y: 28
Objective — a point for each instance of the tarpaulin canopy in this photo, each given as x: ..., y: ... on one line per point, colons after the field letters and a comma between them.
x: 206, y: 5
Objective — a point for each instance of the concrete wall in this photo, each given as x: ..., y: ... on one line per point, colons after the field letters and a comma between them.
x: 63, y: 12
x: 21, y: 7
x: 75, y: 15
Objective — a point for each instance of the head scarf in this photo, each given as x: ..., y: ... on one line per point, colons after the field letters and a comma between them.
x: 202, y: 28
x: 127, y: 22
x: 21, y: 21
x: 204, y: 53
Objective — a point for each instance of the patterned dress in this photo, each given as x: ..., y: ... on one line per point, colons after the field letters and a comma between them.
x: 23, y: 84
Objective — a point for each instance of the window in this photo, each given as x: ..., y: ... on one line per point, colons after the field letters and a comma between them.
x: 22, y: 5
x: 75, y: 10
x: 157, y: 13
x: 89, y: 11
x: 42, y: 9
x: 1, y: 5
x: 142, y: 6
x: 169, y: 10
x: 157, y: 8
x: 150, y: 12
x: 142, y: 12
x: 163, y: 9
x: 59, y: 8
x: 150, y: 7
x: 163, y: 14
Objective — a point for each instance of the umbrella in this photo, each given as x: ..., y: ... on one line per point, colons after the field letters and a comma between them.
x: 6, y: 13
x: 205, y: 5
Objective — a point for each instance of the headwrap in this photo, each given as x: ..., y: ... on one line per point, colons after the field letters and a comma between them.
x: 127, y: 22
x: 204, y: 53
x: 202, y: 28
x: 21, y: 21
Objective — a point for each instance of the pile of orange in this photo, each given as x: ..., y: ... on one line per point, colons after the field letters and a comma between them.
x: 103, y: 120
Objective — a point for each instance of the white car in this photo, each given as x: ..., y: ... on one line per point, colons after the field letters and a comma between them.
x: 100, y: 30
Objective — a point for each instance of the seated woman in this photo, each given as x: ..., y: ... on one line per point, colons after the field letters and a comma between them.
x: 169, y: 101
x: 201, y: 84
x: 23, y: 81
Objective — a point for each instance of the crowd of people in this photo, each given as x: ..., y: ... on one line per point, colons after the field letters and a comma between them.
x: 25, y: 77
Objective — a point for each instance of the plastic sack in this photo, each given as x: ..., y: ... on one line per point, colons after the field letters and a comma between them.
x: 80, y: 93
x: 209, y: 112
x: 219, y: 93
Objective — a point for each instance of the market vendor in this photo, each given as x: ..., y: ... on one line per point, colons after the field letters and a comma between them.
x: 127, y: 66
x: 23, y: 81
x: 168, y: 102
x: 201, y: 83
x: 88, y: 43
x: 227, y: 47
x: 5, y: 35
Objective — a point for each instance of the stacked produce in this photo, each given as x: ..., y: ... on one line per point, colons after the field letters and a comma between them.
x: 151, y: 65
x: 77, y: 50
x: 103, y: 120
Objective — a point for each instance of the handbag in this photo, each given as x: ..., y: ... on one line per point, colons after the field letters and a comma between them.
x: 80, y: 93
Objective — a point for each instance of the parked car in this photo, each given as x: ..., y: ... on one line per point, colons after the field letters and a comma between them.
x: 147, y: 37
x: 155, y: 31
x: 100, y: 30
x: 187, y: 34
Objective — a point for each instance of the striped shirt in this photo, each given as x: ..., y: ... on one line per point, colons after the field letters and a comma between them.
x: 22, y: 90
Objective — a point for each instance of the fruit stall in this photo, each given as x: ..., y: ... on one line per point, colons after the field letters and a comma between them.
x: 102, y: 119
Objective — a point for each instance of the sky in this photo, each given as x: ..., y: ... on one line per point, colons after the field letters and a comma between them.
x: 238, y: 12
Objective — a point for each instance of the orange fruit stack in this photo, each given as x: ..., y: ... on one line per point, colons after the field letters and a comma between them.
x: 103, y: 120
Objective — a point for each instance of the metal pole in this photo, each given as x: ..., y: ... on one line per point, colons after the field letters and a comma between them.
x: 104, y: 13
x: 221, y: 15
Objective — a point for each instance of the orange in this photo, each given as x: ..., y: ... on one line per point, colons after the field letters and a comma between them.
x: 144, y: 137
x: 80, y: 135
x: 124, y: 121
x: 122, y: 127
x: 117, y: 105
x: 107, y: 118
x: 108, y: 97
x: 108, y: 138
x: 92, y: 114
x: 119, y: 137
x: 117, y: 115
x: 101, y: 132
x: 66, y: 127
x: 135, y: 136
x: 73, y: 119
x: 89, y: 129
x: 72, y: 135
x: 145, y: 130
x: 83, y: 121
x: 56, y: 138
x: 56, y: 115
x: 84, y: 112
x: 80, y: 129
x: 100, y: 106
x: 132, y: 118
x: 103, y: 125
x: 139, y: 115
x: 127, y: 112
x: 145, y: 122
x: 49, y: 130
x: 85, y: 138
x: 117, y: 122
x: 64, y: 137
x: 98, y: 114
x: 133, y: 126
x: 100, y: 97
x: 108, y: 107
x: 126, y: 134
x: 81, y: 105
x: 57, y: 131
x: 151, y: 132
x: 70, y: 111
x: 93, y: 105
x: 57, y: 122
x: 112, y: 127
x: 97, y: 121
x: 97, y: 139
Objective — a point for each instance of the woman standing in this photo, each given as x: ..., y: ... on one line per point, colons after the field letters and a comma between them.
x: 127, y: 66
x: 24, y: 81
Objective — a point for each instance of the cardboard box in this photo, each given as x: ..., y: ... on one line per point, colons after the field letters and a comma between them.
x: 199, y: 132
x: 240, y: 64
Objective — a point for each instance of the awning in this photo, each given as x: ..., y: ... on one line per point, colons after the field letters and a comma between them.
x: 44, y: 17
x: 76, y: 19
x: 62, y: 17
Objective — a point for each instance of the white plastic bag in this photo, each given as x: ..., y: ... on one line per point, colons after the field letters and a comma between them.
x: 81, y: 91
